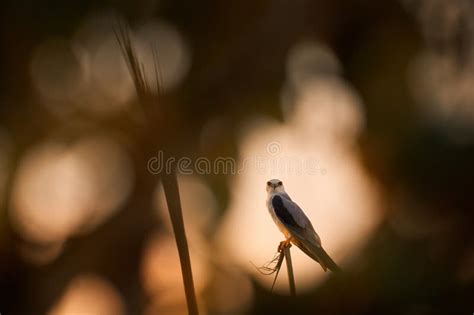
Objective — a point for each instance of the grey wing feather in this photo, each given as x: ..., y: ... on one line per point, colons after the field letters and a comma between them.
x: 306, y: 229
x: 296, y: 212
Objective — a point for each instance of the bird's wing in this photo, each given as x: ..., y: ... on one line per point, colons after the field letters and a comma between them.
x: 293, y: 218
x: 302, y: 231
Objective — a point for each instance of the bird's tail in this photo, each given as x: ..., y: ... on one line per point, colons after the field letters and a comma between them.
x: 318, y: 253
x: 325, y: 260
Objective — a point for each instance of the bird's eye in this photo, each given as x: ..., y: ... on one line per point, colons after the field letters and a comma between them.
x: 280, y: 183
x: 269, y: 183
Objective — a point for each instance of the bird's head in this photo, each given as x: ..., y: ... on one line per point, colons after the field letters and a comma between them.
x: 275, y: 185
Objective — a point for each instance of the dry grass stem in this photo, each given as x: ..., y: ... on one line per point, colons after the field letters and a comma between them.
x: 148, y: 98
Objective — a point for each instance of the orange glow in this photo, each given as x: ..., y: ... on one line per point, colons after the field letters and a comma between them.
x: 161, y: 272
x: 309, y: 59
x: 51, y: 193
x: 60, y: 190
x: 88, y: 72
x: 338, y: 196
x: 110, y: 86
x: 91, y: 295
x: 173, y: 53
x: 112, y: 176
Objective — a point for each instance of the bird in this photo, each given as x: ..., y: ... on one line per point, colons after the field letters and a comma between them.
x: 295, y: 225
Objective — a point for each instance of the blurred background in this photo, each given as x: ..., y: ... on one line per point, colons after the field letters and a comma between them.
x: 365, y: 110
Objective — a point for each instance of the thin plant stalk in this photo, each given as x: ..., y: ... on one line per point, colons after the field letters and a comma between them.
x: 148, y: 98
x: 289, y: 266
x: 170, y: 186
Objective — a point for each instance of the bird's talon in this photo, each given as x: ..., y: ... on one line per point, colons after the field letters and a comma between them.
x: 283, y: 244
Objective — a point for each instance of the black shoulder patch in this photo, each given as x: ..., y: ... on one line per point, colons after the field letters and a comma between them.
x: 282, y: 213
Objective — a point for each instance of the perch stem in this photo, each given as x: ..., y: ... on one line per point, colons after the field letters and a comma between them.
x: 289, y: 266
